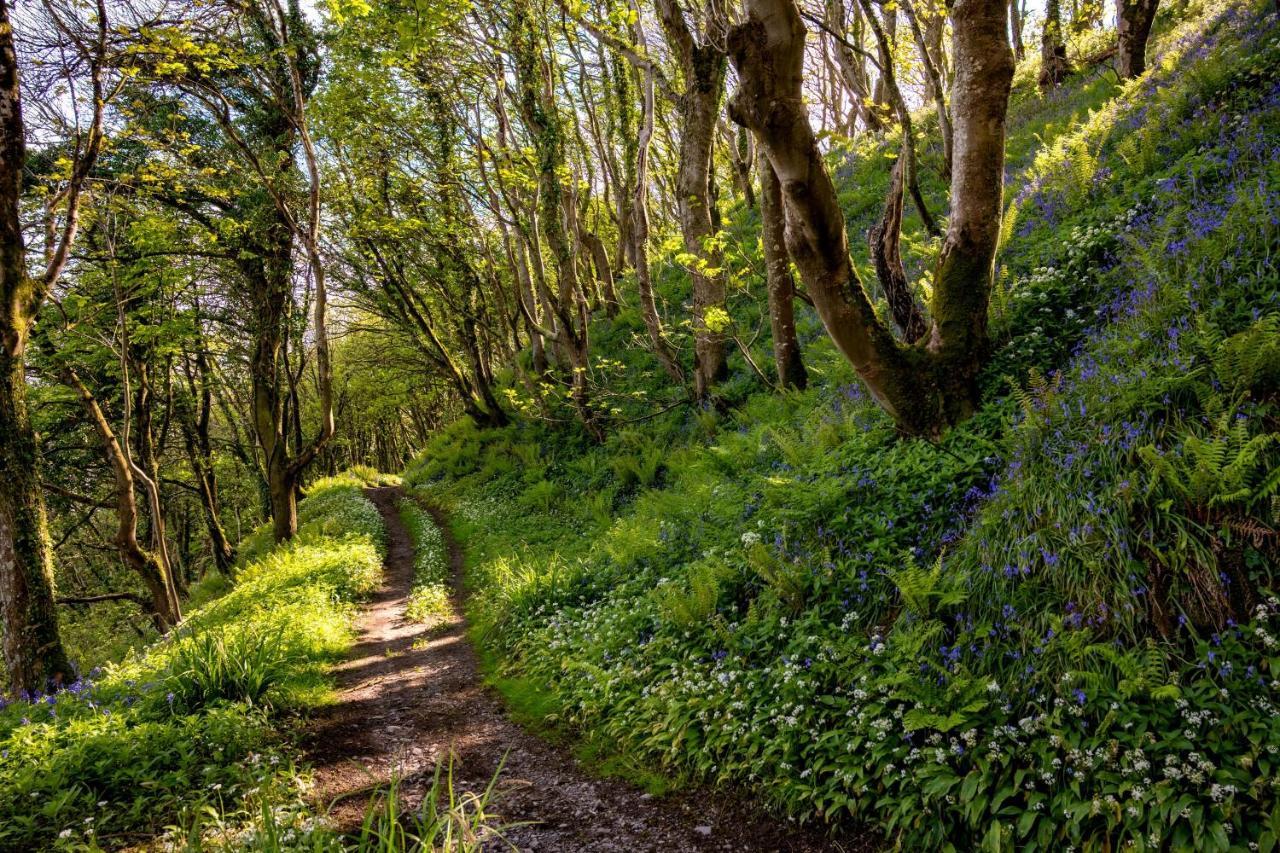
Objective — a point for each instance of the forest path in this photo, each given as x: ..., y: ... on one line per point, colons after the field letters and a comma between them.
x: 409, y: 696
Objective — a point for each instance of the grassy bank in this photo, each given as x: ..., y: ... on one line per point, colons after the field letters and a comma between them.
x: 1052, y: 628
x: 195, y: 734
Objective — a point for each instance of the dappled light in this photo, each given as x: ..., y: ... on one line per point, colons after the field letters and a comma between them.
x: 640, y: 425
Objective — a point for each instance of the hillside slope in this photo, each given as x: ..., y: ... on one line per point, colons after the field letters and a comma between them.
x: 1053, y: 627
x: 193, y: 736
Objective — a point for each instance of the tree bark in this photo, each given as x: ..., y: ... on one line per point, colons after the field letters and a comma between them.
x: 148, y: 564
x: 787, y: 358
x: 33, y: 652
x: 703, y: 66
x: 1133, y: 28
x: 890, y: 80
x: 1054, y: 65
x: 886, y: 256
x: 932, y: 385
x: 934, y: 77
x: 539, y: 111
x: 193, y: 420
x: 1015, y: 18
x: 853, y: 69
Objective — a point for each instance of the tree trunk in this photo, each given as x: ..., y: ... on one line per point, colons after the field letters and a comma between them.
x: 703, y: 68
x: 782, y: 288
x: 890, y: 80
x: 33, y: 653
x: 1015, y: 17
x: 934, y: 77
x: 546, y: 129
x: 932, y: 385
x: 270, y: 278
x: 150, y: 565
x: 639, y: 217
x: 1054, y: 65
x: 886, y: 254
x: 1133, y: 27
x: 853, y: 71
x: 194, y: 424
x: 604, y: 271
x: 884, y: 99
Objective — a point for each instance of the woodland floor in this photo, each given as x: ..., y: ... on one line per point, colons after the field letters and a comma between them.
x: 409, y: 695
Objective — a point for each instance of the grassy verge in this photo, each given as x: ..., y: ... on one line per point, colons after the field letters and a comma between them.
x: 195, y: 731
x: 429, y: 597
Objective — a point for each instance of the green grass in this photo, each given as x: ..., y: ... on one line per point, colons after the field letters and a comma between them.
x: 1053, y: 627
x: 429, y: 596
x: 198, y: 724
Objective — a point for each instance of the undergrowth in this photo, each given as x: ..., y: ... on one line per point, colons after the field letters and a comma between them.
x: 429, y: 595
x: 197, y: 724
x: 1054, y: 627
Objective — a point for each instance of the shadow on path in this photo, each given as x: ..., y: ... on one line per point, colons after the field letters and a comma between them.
x: 410, y: 695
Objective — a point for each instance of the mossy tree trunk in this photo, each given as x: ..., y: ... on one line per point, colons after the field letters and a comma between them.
x: 782, y: 287
x: 545, y: 125
x: 33, y: 652
x: 703, y: 67
x: 932, y: 385
x: 1054, y: 65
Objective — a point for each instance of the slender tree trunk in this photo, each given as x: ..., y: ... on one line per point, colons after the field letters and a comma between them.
x: 639, y: 215
x: 1133, y: 28
x: 703, y: 67
x: 1015, y: 17
x: 546, y: 129
x: 148, y: 564
x: 883, y: 97
x: 739, y: 146
x: 934, y: 77
x: 890, y: 79
x: 194, y: 424
x: 1054, y: 65
x: 603, y: 270
x: 853, y: 71
x: 782, y: 288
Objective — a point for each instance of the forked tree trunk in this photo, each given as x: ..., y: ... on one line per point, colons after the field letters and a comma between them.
x: 1015, y: 19
x: 853, y: 70
x: 149, y: 564
x: 930, y: 386
x: 782, y: 287
x: 885, y: 244
x: 1133, y: 28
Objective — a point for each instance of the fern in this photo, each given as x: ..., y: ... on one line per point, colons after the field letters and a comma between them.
x: 1226, y: 468
x: 1248, y: 361
x: 788, y: 581
x: 689, y: 608
x: 923, y: 590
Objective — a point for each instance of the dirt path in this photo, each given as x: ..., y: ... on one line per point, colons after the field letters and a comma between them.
x: 408, y: 697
